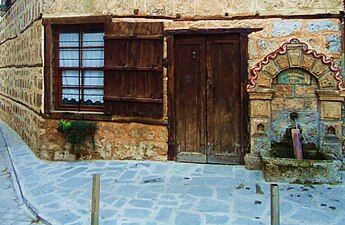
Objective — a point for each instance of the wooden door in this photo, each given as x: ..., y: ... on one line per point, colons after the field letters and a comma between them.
x: 207, y: 93
x: 223, y: 99
x: 190, y: 89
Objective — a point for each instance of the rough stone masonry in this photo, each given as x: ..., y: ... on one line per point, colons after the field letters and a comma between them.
x: 22, y: 67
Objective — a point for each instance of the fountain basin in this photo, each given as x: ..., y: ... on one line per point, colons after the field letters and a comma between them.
x: 291, y: 170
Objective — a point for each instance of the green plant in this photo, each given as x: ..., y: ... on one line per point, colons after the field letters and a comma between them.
x: 76, y: 132
x: 64, y: 126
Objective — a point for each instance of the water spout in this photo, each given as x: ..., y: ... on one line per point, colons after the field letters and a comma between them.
x: 296, y: 138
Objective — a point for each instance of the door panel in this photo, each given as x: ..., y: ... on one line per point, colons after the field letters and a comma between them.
x: 223, y: 99
x: 207, y: 89
x: 190, y: 99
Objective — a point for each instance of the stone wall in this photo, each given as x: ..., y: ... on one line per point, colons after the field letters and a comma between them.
x: 191, y: 8
x: 23, y: 50
x: 112, y: 141
x: 295, y: 92
x: 23, y: 85
x: 21, y: 68
x: 23, y: 120
x: 20, y: 16
x: 21, y: 63
x: 21, y: 72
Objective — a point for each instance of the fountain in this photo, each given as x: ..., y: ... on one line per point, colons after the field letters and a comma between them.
x: 292, y: 160
x: 295, y: 116
x: 296, y: 138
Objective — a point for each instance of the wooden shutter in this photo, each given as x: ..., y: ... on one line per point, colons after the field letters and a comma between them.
x: 133, y: 69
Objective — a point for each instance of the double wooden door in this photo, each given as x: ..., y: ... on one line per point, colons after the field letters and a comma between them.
x: 207, y: 99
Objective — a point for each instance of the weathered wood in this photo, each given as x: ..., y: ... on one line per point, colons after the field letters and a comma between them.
x: 212, y: 31
x: 58, y: 71
x: 275, y: 205
x: 48, y: 53
x: 132, y: 99
x: 190, y: 105
x: 121, y: 68
x: 244, y: 95
x: 76, y: 20
x: 134, y: 69
x: 223, y: 101
x: 170, y: 63
x: 95, y: 199
x: 138, y: 37
x: 205, y: 97
x: 57, y: 82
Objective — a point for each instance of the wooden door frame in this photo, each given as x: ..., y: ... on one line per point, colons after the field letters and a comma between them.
x: 170, y: 37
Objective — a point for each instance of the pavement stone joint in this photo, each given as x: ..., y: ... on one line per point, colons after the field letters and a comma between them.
x: 154, y: 193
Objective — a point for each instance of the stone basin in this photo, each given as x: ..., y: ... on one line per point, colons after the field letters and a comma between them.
x: 301, y: 171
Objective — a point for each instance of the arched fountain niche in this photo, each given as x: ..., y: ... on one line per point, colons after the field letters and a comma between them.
x: 295, y: 79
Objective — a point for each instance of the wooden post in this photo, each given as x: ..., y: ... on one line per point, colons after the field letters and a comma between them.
x: 95, y: 199
x: 275, y: 217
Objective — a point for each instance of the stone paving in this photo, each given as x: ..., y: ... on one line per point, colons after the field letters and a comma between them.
x: 152, y: 193
x: 12, y: 209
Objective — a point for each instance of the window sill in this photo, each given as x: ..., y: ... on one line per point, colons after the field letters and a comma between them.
x: 101, y: 117
x: 75, y: 112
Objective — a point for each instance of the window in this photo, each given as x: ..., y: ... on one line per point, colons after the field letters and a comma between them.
x: 94, y: 64
x: 79, y: 75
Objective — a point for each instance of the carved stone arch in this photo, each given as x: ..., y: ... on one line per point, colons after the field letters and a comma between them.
x: 296, y: 54
x: 271, y: 103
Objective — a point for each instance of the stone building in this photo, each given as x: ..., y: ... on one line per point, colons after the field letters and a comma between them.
x: 197, y: 80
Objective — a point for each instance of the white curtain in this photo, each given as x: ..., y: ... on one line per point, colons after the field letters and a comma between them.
x: 92, y: 56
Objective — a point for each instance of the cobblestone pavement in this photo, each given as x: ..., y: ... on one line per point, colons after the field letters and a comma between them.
x: 165, y: 192
x: 12, y: 211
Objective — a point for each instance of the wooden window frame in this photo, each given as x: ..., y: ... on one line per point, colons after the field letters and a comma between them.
x: 51, y: 53
x: 57, y: 76
x: 48, y: 108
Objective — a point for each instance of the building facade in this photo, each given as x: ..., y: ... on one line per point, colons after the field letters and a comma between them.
x: 196, y: 81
